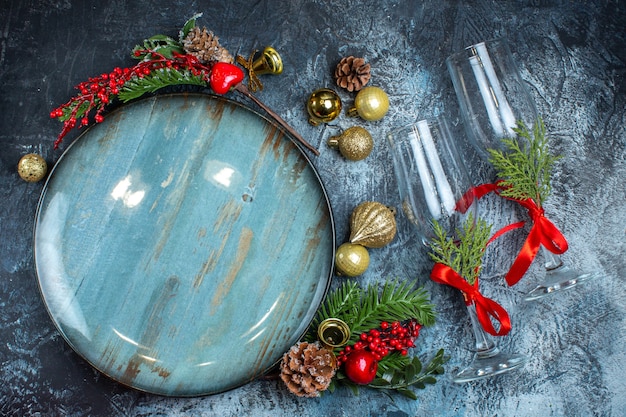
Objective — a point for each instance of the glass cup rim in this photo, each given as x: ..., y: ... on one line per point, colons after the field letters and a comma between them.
x: 463, y: 52
x: 429, y: 119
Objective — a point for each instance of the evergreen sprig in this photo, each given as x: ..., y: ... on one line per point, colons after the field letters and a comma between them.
x: 157, y: 79
x: 163, y: 44
x: 464, y: 252
x: 525, y: 168
x: 396, y: 302
x: 364, y: 309
x: 160, y: 44
x: 338, y: 304
x: 399, y: 373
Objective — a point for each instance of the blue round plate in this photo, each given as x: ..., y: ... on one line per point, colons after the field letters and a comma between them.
x: 183, y: 245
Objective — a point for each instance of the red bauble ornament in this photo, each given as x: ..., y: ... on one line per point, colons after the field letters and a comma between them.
x: 224, y: 76
x: 361, y: 366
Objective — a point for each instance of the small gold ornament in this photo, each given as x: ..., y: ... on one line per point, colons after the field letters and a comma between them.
x: 268, y: 63
x: 371, y: 104
x: 354, y: 143
x: 324, y: 105
x: 32, y: 167
x: 333, y: 332
x: 372, y: 224
x: 351, y: 260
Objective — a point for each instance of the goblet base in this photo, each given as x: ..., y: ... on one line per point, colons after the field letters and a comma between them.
x: 559, y: 279
x: 489, y: 363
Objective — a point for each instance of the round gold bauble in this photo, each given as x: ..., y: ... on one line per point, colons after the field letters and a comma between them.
x: 324, y: 105
x: 351, y: 260
x: 372, y: 224
x: 355, y: 143
x: 333, y: 332
x: 371, y: 104
x: 32, y: 167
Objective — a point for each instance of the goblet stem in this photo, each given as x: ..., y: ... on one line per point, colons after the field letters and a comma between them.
x: 488, y: 359
x: 558, y: 277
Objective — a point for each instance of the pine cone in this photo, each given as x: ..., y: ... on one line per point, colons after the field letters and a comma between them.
x: 352, y: 73
x: 308, y: 368
x: 205, y: 46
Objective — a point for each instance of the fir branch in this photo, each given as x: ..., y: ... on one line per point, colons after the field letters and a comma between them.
x: 463, y: 253
x: 157, y: 79
x: 341, y: 303
x: 363, y: 310
x: 525, y: 168
x: 397, y: 302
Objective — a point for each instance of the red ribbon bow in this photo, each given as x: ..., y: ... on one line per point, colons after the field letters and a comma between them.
x: 543, y: 231
x: 486, y: 308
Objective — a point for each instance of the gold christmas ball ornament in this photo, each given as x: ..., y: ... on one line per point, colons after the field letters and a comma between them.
x: 32, y: 167
x: 354, y: 143
x: 324, y: 105
x: 351, y: 260
x: 371, y: 104
x: 372, y: 224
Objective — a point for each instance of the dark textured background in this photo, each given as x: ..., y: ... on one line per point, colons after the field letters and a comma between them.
x: 572, y: 55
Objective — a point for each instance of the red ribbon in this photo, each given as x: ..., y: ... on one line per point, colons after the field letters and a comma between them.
x: 543, y: 231
x: 486, y: 308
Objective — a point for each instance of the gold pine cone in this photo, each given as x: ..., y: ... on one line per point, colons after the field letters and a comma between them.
x: 308, y: 368
x: 372, y: 224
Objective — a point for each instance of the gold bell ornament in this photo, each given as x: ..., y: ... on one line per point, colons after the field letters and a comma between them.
x: 351, y: 260
x: 355, y: 143
x: 371, y: 103
x: 32, y: 167
x: 333, y: 332
x: 372, y: 224
x: 323, y: 105
x: 268, y: 63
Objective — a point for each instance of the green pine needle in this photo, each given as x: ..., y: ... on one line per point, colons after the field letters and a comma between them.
x: 463, y: 253
x: 157, y: 79
x: 397, y: 301
x: 525, y: 169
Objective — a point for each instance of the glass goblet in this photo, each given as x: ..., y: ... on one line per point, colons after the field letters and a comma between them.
x: 493, y: 97
x: 491, y: 94
x: 488, y: 359
x: 432, y: 177
x: 432, y: 182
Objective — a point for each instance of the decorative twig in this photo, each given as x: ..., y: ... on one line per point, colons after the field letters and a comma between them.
x: 241, y: 88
